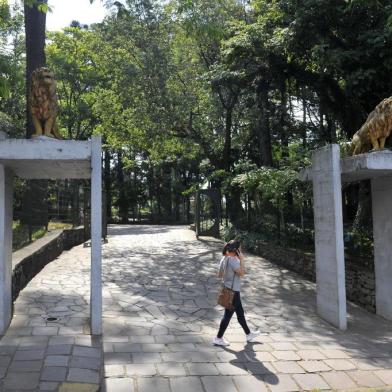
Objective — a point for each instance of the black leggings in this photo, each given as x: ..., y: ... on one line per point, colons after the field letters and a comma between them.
x: 229, y: 313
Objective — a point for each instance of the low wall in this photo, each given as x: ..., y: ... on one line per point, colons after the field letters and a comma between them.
x: 360, y: 278
x: 27, y: 262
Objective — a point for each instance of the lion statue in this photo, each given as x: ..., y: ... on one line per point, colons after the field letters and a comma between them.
x: 376, y: 129
x: 43, y: 103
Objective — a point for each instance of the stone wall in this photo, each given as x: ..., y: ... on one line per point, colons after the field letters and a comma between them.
x: 29, y: 261
x: 360, y: 278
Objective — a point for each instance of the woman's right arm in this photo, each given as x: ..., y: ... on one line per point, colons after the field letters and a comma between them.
x: 240, y: 271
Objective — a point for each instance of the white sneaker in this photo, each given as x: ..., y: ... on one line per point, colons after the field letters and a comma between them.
x: 220, y: 342
x: 252, y: 335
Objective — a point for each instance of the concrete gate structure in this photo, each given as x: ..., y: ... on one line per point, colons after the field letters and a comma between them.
x: 47, y: 158
x: 328, y: 172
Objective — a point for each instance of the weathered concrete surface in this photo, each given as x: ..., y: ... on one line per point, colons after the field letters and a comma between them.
x: 160, y: 316
x: 44, y: 157
x: 328, y: 234
x: 382, y: 233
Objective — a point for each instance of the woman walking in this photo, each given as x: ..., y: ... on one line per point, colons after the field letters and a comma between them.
x: 231, y: 270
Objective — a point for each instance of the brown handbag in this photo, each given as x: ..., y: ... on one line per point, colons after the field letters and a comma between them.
x: 226, y: 295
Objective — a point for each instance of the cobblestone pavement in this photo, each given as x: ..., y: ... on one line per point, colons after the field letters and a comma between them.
x: 160, y: 315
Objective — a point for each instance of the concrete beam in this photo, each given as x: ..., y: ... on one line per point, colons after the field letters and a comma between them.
x: 330, y: 273
x: 359, y: 167
x: 96, y: 237
x: 44, y: 148
x: 6, y: 195
x: 382, y: 233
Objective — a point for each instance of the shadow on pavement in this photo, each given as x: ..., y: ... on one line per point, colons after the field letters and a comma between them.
x: 254, y: 366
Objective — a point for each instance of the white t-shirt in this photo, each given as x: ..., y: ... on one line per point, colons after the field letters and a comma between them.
x: 232, y: 264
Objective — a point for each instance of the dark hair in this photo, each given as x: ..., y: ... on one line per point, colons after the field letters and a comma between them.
x: 231, y: 246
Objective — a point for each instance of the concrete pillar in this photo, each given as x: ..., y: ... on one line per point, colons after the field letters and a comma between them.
x: 382, y: 233
x: 6, y: 193
x: 96, y: 237
x: 328, y: 222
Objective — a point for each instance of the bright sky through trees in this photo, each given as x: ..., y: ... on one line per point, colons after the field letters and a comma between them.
x: 65, y: 11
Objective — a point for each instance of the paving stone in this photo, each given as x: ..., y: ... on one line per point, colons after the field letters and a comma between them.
x: 56, y: 360
x: 218, y: 384
x: 86, y: 352
x: 310, y: 382
x: 119, y: 385
x: 171, y: 369
x: 258, y: 368
x: 54, y: 373
x: 83, y: 375
x: 154, y: 348
x: 77, y: 387
x: 366, y: 379
x: 340, y: 364
x: 199, y: 356
x: 114, y: 371
x: 16, y: 381
x: 308, y: 355
x: 286, y: 355
x: 86, y: 363
x: 314, y: 366
x: 142, y: 339
x: 140, y: 369
x: 228, y: 369
x: 48, y: 386
x: 335, y: 354
x: 177, y: 357
x: 190, y: 339
x: 202, y: 369
x: 128, y: 347
x: 188, y: 384
x: 45, y: 331
x: 29, y: 355
x: 153, y: 384
x: 284, y: 346
x: 281, y: 383
x: 117, y: 358
x: 146, y: 358
x: 384, y: 375
x: 338, y: 380
x: 26, y: 366
x: 164, y: 339
x: 60, y: 349
x: 288, y: 367
x: 181, y: 347
x: 249, y: 384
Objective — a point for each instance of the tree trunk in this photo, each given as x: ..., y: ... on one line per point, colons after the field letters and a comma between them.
x: 122, y: 200
x: 264, y: 132
x: 227, y: 145
x: 35, y: 23
x: 36, y: 208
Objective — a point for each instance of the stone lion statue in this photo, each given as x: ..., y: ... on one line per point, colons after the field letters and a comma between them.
x: 43, y: 103
x: 376, y: 129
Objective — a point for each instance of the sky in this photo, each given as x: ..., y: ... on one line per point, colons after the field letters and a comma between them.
x: 65, y: 11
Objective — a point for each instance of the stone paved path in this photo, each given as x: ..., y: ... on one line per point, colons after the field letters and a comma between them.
x: 160, y: 317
